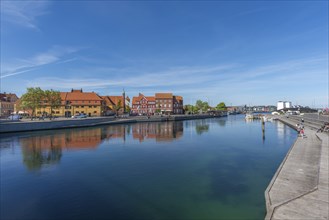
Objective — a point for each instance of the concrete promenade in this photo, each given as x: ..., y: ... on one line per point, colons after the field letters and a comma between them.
x: 7, y: 126
x: 300, y: 187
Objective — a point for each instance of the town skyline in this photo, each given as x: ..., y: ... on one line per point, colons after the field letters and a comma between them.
x: 251, y: 53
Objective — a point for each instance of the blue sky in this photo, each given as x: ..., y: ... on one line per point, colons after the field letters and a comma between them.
x: 239, y: 52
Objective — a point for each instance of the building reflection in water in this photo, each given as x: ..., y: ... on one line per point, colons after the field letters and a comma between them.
x: 160, y: 132
x: 46, y: 148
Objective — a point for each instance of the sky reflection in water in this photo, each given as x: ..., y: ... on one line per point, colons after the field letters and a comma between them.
x: 198, y: 169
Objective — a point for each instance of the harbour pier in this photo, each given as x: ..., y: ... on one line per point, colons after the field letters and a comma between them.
x: 8, y: 126
x: 299, y: 188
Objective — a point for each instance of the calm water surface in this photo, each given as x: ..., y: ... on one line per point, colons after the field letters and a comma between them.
x: 198, y: 169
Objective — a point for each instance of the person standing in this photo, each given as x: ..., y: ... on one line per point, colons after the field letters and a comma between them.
x: 302, y: 132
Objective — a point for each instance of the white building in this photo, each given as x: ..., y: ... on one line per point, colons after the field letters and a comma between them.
x: 283, y: 105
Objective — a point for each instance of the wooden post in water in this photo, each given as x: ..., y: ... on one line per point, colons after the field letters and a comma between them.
x: 263, y: 127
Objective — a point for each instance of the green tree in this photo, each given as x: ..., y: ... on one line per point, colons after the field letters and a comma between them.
x: 128, y: 109
x: 203, y: 106
x: 53, y: 99
x: 221, y: 107
x: 32, y: 99
x: 199, y: 104
x: 117, y: 107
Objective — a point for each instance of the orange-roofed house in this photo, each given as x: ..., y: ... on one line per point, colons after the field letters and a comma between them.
x: 75, y: 102
x: 143, y: 105
x: 164, y: 103
x: 115, y: 104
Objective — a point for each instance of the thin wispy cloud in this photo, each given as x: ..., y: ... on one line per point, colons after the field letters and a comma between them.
x: 172, y: 77
x: 57, y: 54
x: 24, y: 13
x: 193, y: 77
x: 284, y: 69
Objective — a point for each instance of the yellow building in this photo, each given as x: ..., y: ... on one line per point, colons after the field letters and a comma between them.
x: 75, y: 102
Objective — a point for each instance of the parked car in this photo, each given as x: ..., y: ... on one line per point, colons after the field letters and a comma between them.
x: 14, y: 117
x: 81, y: 115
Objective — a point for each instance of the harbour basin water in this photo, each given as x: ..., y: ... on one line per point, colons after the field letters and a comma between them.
x: 199, y: 169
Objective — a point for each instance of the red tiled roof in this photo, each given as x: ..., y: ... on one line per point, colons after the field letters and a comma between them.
x: 107, y: 100
x: 82, y: 96
x: 116, y: 99
x: 179, y: 98
x: 150, y: 98
x: 163, y: 95
x: 141, y: 96
x: 137, y: 98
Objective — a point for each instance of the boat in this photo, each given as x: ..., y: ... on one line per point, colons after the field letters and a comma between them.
x: 249, y: 116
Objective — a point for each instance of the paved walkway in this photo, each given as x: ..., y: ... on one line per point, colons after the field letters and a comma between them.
x: 300, y: 187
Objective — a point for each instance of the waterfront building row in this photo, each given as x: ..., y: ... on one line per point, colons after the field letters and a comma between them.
x: 92, y: 104
x: 160, y: 103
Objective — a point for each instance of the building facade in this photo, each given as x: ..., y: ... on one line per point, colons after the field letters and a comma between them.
x: 161, y: 103
x: 164, y: 103
x: 143, y: 105
x: 283, y: 104
x: 74, y: 102
x: 7, y: 104
x: 178, y: 105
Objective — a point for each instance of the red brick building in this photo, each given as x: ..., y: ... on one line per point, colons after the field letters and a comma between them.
x: 164, y: 103
x: 7, y: 103
x: 143, y: 105
x: 178, y: 105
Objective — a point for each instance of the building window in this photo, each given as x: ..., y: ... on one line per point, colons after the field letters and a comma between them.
x: 76, y: 111
x: 95, y: 111
x: 90, y: 106
x: 82, y: 106
x: 57, y: 112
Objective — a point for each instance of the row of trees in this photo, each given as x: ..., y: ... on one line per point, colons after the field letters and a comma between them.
x: 36, y: 98
x: 202, y: 106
